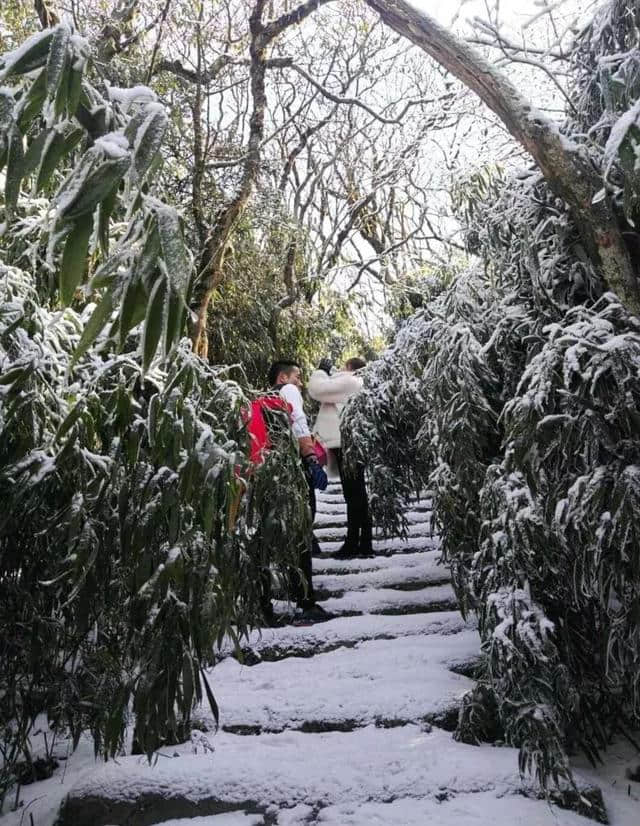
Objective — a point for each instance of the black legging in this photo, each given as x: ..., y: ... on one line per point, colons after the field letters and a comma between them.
x: 354, y: 489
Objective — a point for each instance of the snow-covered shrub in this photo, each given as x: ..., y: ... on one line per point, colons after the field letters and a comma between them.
x: 134, y: 535
x: 123, y: 561
x: 85, y: 158
x: 519, y: 388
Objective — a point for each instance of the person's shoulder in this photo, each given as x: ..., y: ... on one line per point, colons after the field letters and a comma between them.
x: 290, y: 391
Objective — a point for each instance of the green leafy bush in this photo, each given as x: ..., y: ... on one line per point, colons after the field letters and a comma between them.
x: 513, y: 397
x: 134, y: 535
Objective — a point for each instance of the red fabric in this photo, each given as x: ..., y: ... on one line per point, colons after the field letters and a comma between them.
x: 259, y: 439
x: 320, y: 452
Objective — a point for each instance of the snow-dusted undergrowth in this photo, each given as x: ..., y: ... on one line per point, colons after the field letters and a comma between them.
x: 126, y: 551
x: 515, y: 396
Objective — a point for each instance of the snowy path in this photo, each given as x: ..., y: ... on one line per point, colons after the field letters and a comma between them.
x: 345, y: 723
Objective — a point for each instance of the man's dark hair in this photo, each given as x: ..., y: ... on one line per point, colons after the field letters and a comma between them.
x: 280, y: 366
x: 356, y: 363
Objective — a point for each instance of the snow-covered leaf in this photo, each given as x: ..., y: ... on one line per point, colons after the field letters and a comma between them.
x: 74, y: 257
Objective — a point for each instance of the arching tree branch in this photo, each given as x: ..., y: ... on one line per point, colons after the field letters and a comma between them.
x: 564, y: 165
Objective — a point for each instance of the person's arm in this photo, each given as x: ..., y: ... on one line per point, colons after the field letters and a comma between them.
x: 300, y: 428
x: 299, y: 424
x: 333, y: 389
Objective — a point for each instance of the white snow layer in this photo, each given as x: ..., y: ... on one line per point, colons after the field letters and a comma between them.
x: 618, y: 133
x: 383, y: 600
x: 355, y: 772
x: 374, y: 668
x: 374, y: 681
x: 344, y: 631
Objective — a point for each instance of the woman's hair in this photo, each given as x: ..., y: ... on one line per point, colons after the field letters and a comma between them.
x: 355, y: 363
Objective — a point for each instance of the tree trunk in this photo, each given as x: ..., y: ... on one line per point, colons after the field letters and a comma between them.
x: 212, y: 264
x: 566, y: 168
x: 47, y: 16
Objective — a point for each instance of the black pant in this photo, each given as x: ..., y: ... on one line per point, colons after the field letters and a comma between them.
x: 354, y: 488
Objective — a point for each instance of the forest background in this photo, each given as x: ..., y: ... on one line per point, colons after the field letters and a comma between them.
x: 271, y: 178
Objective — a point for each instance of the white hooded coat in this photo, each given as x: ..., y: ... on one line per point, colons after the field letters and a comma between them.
x: 332, y: 392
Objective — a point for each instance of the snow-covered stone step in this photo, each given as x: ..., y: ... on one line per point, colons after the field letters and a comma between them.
x: 377, y: 681
x: 391, y: 601
x: 392, y: 576
x: 330, y: 493
x: 346, y: 632
x: 446, y: 808
x: 390, y: 546
x: 347, y: 779
x: 337, y: 508
x: 333, y: 502
x: 337, y: 532
x: 339, y: 519
x: 329, y: 565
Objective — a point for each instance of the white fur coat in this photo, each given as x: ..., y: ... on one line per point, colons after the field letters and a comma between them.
x: 332, y: 392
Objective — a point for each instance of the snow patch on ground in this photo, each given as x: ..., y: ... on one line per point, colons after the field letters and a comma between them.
x: 226, y: 819
x: 360, y: 770
x: 425, y: 570
x: 375, y: 680
x: 349, y: 630
x: 388, y: 599
x: 479, y: 809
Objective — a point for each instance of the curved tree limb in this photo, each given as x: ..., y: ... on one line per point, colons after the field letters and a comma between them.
x: 212, y: 262
x: 566, y: 168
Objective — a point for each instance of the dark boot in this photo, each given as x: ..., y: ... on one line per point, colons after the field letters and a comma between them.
x: 348, y: 550
x: 365, y: 546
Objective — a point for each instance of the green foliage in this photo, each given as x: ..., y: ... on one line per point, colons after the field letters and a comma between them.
x: 518, y: 392
x: 124, y: 560
x: 134, y: 536
x: 90, y: 155
x: 249, y: 325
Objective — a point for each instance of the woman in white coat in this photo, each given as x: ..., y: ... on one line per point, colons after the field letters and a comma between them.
x: 332, y: 389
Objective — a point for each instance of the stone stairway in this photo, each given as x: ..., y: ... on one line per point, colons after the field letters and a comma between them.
x: 344, y: 723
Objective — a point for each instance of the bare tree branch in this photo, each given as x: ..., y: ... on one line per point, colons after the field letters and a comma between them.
x: 566, y: 169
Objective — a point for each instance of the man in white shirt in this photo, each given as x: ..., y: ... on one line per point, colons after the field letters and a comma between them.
x: 285, y: 376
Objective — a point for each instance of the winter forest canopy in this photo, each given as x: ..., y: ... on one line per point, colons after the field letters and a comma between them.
x: 190, y: 189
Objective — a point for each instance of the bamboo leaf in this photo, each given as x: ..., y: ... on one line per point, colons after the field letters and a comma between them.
x: 74, y: 258
x: 173, y: 320
x: 97, y: 186
x: 34, y: 100
x: 187, y: 683
x: 132, y: 308
x: 106, y: 209
x: 33, y: 156
x: 107, y: 272
x: 7, y: 105
x: 173, y: 249
x: 30, y: 56
x: 15, y: 160
x: 52, y: 154
x: 96, y: 323
x: 212, y: 700
x: 72, y: 139
x: 74, y: 90
x: 153, y: 323
x: 60, y: 102
x: 57, y: 60
x: 147, y: 264
x: 148, y: 141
